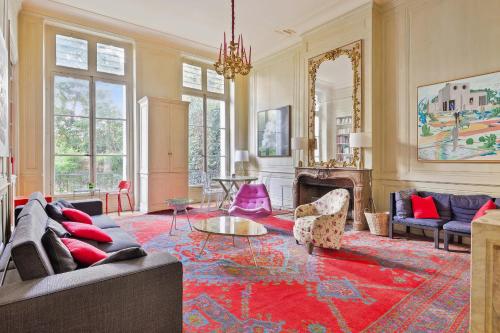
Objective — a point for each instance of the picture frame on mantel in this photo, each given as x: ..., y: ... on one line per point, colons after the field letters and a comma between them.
x: 273, y: 132
x: 459, y: 120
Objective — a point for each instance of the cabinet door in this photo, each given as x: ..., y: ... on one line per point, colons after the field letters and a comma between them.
x: 178, y: 138
x: 159, y: 137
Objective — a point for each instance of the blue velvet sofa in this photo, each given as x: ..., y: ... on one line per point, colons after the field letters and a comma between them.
x: 455, y: 211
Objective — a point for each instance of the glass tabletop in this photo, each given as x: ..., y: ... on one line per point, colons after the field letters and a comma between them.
x: 231, y: 225
x: 179, y: 201
x: 235, y: 178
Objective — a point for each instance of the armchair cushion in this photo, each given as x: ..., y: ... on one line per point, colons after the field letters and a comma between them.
x: 252, y: 200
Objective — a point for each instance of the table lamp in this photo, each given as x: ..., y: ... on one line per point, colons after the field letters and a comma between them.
x: 360, y: 140
x: 242, y: 157
x: 299, y: 144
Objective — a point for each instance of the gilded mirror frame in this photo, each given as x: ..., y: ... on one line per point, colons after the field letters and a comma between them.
x: 353, y: 51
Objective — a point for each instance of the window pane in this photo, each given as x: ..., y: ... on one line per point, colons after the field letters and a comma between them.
x: 216, y: 141
x: 216, y: 165
x: 71, y: 96
x: 110, y: 59
x: 71, y: 135
x: 215, y: 82
x: 71, y: 173
x: 195, y: 157
x: 216, y: 113
x: 71, y: 52
x: 110, y: 100
x: 195, y: 109
x: 191, y: 76
x: 110, y: 136
x: 109, y: 171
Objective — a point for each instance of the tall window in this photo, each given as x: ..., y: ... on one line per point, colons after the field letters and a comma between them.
x: 208, y: 119
x: 89, y: 103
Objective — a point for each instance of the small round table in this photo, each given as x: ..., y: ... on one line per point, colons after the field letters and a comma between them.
x: 179, y: 205
x: 231, y: 226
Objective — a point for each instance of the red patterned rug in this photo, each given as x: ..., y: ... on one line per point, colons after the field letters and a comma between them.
x: 373, y: 284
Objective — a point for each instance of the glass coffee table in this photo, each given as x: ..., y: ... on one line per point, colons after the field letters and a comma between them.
x: 179, y: 205
x: 231, y: 226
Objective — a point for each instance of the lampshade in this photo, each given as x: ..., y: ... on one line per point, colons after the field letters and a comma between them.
x: 360, y: 140
x: 241, y: 156
x: 299, y: 143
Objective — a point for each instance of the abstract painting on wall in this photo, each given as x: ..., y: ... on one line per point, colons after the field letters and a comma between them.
x: 460, y: 120
x: 273, y: 132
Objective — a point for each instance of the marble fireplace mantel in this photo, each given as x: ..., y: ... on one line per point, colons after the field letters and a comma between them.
x: 316, y: 180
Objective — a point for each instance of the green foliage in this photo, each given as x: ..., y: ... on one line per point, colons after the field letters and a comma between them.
x: 426, y: 130
x: 489, y: 141
x: 469, y: 141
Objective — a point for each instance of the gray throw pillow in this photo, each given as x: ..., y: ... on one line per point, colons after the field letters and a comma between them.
x: 57, y: 228
x: 54, y: 209
x: 125, y: 254
x: 403, y: 203
x: 61, y: 259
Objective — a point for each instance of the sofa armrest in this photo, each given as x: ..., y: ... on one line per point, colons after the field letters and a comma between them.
x: 139, y: 295
x: 305, y: 210
x: 90, y: 206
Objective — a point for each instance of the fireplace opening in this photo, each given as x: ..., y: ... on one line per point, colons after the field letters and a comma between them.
x: 310, y: 189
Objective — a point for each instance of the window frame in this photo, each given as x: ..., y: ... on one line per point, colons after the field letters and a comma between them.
x: 206, y: 95
x: 92, y: 75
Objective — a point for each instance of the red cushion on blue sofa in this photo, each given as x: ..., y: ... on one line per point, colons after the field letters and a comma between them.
x: 76, y: 215
x: 87, y: 231
x: 424, y: 208
x: 482, y: 211
x: 82, y: 252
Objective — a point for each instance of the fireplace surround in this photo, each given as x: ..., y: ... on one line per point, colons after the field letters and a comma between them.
x: 312, y: 183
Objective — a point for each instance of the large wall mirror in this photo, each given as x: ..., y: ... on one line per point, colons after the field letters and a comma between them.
x: 334, y: 106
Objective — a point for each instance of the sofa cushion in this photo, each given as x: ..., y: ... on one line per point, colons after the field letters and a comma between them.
x: 464, y: 207
x: 424, y: 208
x: 442, y: 201
x: 458, y: 226
x: 28, y: 252
x: 57, y: 228
x: 433, y: 223
x: 54, y: 209
x: 87, y: 231
x: 61, y: 259
x: 103, y: 222
x: 125, y: 254
x: 121, y: 240
x: 403, y: 202
x: 82, y: 252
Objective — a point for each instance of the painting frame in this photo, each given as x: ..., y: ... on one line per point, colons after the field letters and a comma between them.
x: 274, y: 132
x: 463, y: 123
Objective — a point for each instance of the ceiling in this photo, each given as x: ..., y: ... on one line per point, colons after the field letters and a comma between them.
x: 204, y: 21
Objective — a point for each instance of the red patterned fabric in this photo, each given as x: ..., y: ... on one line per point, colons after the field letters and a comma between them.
x: 82, y: 252
x: 372, y: 284
x: 87, y: 231
x: 490, y: 204
x: 424, y: 208
x: 76, y: 215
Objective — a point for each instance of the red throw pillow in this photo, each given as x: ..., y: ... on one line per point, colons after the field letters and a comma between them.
x: 87, y: 231
x: 82, y: 252
x: 424, y: 208
x: 482, y: 211
x: 76, y: 215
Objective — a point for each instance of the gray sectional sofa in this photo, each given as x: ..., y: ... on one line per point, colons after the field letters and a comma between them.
x: 455, y: 211
x: 142, y: 294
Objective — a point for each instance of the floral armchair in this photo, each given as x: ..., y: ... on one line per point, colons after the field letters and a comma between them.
x: 322, y: 222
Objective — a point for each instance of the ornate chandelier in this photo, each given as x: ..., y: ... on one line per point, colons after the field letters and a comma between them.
x: 234, y: 59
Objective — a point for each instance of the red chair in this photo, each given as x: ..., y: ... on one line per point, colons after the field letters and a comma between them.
x: 123, y: 188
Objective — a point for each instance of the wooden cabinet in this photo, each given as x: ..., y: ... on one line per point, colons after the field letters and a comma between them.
x: 163, y: 151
